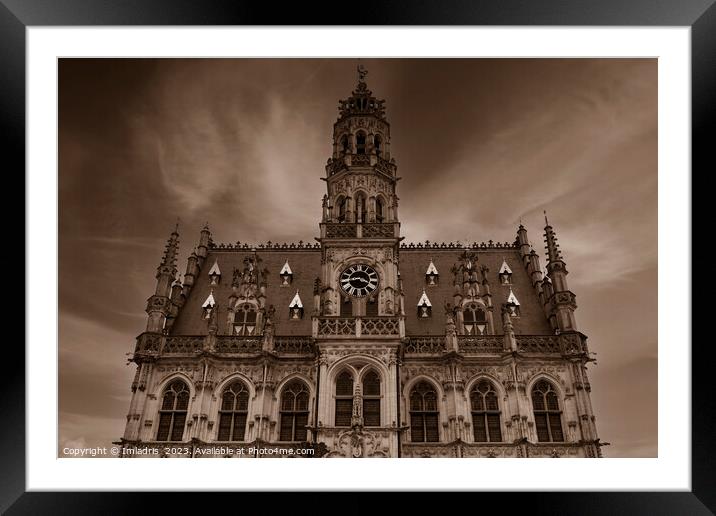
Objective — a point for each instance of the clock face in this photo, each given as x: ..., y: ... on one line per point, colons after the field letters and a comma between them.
x: 359, y: 280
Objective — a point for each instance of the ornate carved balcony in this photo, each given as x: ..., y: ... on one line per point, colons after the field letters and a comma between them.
x: 358, y: 327
x: 155, y: 344
x: 480, y: 343
x: 379, y: 326
x: 538, y: 343
x: 182, y: 344
x: 149, y: 343
x: 237, y: 344
x: 425, y: 345
x: 378, y: 230
x: 294, y: 345
x: 341, y: 230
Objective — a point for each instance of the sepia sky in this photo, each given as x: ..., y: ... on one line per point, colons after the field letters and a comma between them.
x: 480, y: 144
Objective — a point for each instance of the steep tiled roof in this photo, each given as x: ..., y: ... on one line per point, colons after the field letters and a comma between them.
x: 414, y: 262
x: 306, y: 265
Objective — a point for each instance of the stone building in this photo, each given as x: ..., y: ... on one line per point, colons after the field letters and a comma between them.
x: 359, y: 344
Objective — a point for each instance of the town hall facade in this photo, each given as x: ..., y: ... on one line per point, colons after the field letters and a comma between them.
x: 360, y: 344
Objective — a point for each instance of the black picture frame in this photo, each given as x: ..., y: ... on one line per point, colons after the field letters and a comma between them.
x: 17, y: 15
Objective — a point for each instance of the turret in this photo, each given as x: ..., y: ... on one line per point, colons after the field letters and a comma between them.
x: 192, y: 270
x: 203, y: 248
x: 563, y: 301
x: 361, y: 148
x: 159, y: 305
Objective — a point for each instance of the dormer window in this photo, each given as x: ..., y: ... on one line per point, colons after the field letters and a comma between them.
x: 215, y: 273
x: 431, y: 275
x: 513, y: 305
x: 505, y: 273
x: 360, y: 143
x: 295, y: 308
x: 425, y: 307
x: 245, y: 320
x: 208, y: 305
x: 286, y: 275
x: 474, y: 320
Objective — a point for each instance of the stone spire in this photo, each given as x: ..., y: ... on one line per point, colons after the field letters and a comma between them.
x: 562, y: 302
x: 159, y: 305
x: 167, y: 270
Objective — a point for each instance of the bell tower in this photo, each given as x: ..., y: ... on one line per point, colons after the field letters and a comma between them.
x: 360, y: 230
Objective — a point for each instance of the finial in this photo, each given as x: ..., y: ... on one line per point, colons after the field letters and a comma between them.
x: 362, y: 72
x: 206, y: 226
x: 546, y: 222
x: 176, y: 226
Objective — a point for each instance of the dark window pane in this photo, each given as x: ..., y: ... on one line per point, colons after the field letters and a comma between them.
x: 431, y: 401
x: 491, y: 401
x: 416, y: 401
x: 302, y: 401
x: 493, y: 426
x: 371, y: 412
x: 541, y: 424
x: 301, y: 422
x: 286, y: 427
x: 432, y: 433
x: 242, y: 401
x: 417, y: 431
x: 477, y: 401
x: 552, y: 403
x: 538, y: 401
x: 287, y: 401
x: 344, y: 410
x: 344, y: 384
x: 239, y: 426
x: 555, y: 425
x: 168, y: 402
x: 178, y: 427
x: 182, y: 400
x: 224, y: 427
x: 165, y: 421
x: 227, y: 401
x: 478, y: 420
x: 371, y: 384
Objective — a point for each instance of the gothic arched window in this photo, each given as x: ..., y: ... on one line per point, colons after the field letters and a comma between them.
x: 378, y: 142
x: 245, y: 320
x: 344, y: 144
x: 379, y: 211
x: 474, y: 320
x: 172, y: 414
x: 360, y: 143
x: 424, y: 413
x: 360, y: 208
x: 485, y: 413
x: 548, y: 416
x: 344, y: 399
x: 233, y: 412
x: 342, y: 209
x: 294, y: 412
x: 371, y: 399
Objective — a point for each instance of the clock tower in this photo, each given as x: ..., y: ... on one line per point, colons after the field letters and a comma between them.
x: 360, y: 320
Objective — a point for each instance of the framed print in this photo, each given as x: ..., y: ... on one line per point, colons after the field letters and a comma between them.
x: 444, y: 246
